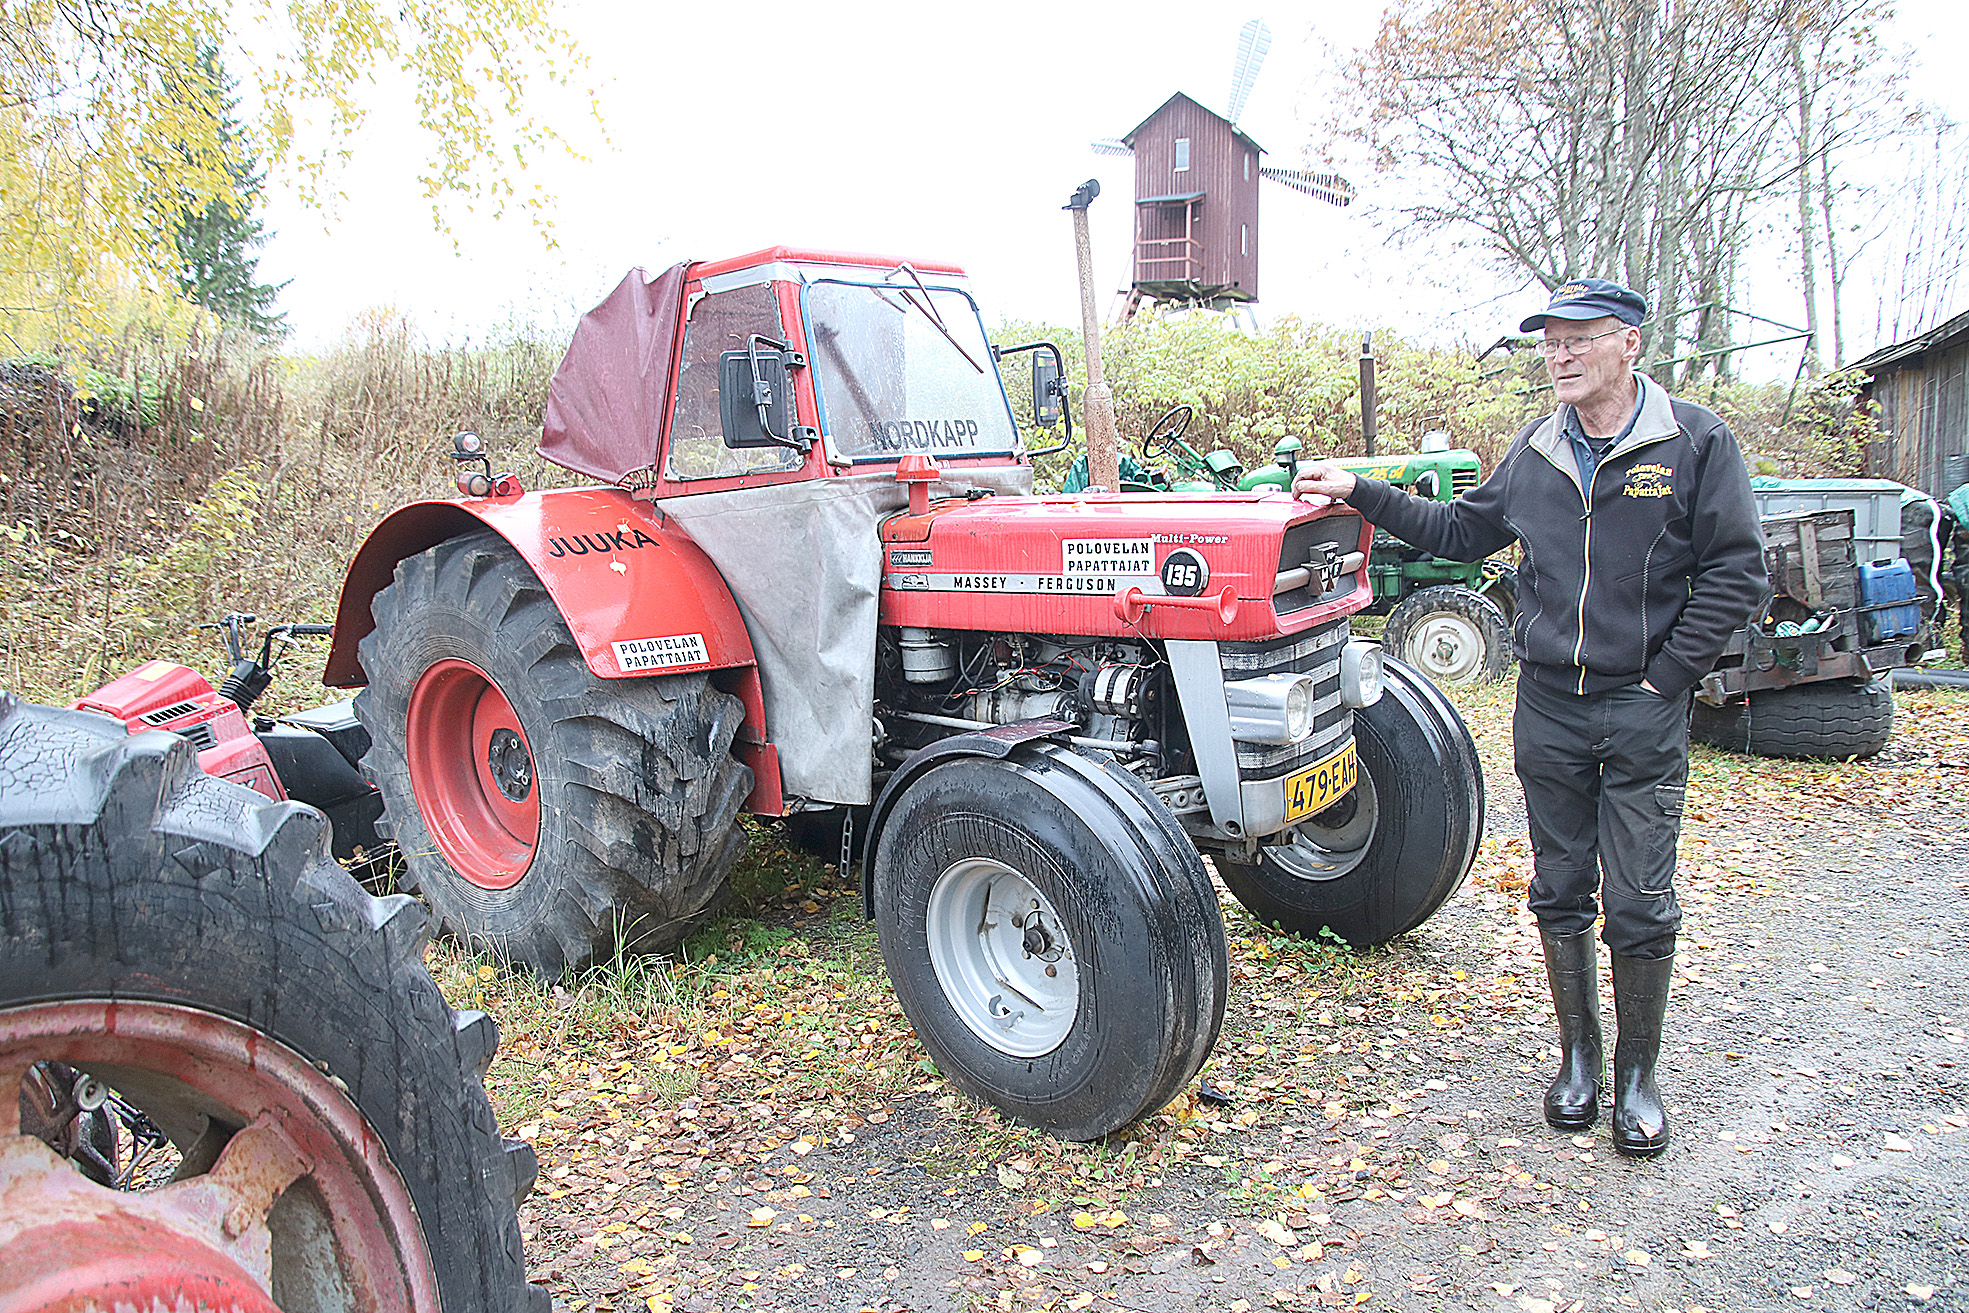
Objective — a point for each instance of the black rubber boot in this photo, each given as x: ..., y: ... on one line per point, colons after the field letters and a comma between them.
x: 1572, y: 968
x: 1640, y: 998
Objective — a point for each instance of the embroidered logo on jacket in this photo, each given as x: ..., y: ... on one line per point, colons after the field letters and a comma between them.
x: 1649, y: 481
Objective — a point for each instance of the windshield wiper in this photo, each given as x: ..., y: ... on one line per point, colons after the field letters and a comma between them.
x: 929, y: 308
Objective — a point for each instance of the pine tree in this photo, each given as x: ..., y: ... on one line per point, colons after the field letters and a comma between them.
x: 219, y: 244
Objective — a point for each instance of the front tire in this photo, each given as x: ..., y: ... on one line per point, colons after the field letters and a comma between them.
x: 547, y: 815
x: 197, y: 950
x: 1834, y: 719
x: 1452, y: 635
x: 1382, y: 860
x: 1053, y: 938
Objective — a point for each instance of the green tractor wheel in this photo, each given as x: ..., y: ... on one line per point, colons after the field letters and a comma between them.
x: 1453, y: 635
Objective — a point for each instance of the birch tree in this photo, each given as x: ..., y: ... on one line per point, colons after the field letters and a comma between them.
x: 112, y: 124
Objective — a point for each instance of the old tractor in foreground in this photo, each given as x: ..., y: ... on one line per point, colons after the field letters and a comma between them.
x: 811, y: 583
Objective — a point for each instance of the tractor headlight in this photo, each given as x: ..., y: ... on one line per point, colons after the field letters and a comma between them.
x: 1276, y: 708
x: 1360, y: 673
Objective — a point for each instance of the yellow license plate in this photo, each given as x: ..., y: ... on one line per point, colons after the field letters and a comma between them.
x: 1319, y: 786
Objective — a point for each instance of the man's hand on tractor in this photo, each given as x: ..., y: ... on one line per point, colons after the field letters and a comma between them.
x: 1323, y: 480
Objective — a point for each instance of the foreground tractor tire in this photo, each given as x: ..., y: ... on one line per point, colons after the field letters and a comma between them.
x: 1452, y: 635
x: 1053, y: 937
x: 1383, y: 859
x: 548, y: 816
x: 1836, y: 719
x: 198, y: 954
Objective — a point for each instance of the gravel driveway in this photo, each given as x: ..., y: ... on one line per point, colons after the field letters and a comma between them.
x: 1368, y: 1133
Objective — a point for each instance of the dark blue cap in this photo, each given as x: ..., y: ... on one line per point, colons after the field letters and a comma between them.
x: 1590, y: 298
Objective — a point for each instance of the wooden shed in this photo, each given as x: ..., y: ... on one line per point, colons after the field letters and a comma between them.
x: 1922, y: 388
x: 1196, y: 205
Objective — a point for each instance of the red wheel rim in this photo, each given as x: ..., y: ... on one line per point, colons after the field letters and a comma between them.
x: 471, y: 767
x: 66, y: 1242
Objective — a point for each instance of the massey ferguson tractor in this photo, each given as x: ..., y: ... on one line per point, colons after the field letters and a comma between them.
x: 811, y: 583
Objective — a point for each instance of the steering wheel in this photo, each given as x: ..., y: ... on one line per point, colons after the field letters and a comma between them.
x: 1167, y: 431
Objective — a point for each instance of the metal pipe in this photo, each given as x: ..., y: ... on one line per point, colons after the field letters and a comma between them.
x: 1103, y: 446
x: 959, y: 722
x: 1911, y: 678
x: 1370, y: 404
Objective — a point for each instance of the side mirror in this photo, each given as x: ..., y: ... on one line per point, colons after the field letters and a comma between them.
x: 1049, y: 390
x: 755, y: 397
x: 1048, y: 397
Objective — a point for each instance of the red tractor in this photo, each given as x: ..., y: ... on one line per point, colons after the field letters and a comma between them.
x: 813, y: 583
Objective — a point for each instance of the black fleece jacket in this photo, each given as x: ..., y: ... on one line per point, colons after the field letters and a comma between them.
x: 1644, y: 575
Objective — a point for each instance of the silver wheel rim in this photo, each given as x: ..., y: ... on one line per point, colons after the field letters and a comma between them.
x: 1447, y: 647
x: 993, y: 937
x: 1321, y: 852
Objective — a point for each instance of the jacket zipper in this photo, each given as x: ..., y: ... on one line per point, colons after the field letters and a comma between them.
x: 1586, y: 576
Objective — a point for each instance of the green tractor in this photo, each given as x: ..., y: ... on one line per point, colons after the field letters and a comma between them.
x: 1450, y: 619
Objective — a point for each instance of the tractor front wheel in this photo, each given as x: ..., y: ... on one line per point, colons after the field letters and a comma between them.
x: 546, y: 814
x: 1385, y: 857
x: 1453, y: 635
x: 226, y: 1078
x: 1053, y: 937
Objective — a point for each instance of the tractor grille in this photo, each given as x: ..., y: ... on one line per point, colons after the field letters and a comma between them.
x: 1334, y: 536
x: 1462, y: 479
x: 1315, y: 652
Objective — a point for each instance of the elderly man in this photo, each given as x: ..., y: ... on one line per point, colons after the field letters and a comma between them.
x: 1642, y: 554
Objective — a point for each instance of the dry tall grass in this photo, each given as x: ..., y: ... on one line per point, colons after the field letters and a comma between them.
x: 243, y: 480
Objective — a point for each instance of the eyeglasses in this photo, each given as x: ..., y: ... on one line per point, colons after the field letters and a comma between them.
x: 1575, y: 346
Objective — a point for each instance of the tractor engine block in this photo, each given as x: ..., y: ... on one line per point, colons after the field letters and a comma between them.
x: 933, y: 682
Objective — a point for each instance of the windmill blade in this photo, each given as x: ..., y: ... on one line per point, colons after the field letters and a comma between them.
x: 1253, y: 40
x: 1110, y: 146
x: 1328, y: 187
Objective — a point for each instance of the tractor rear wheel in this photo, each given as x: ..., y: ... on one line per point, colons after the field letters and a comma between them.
x: 184, y: 957
x: 1452, y: 635
x: 1385, y: 857
x: 547, y: 815
x: 1053, y: 937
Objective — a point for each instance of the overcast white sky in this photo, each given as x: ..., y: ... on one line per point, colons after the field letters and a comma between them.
x: 953, y: 132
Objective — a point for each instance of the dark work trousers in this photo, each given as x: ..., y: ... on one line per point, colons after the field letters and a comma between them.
x: 1604, y: 775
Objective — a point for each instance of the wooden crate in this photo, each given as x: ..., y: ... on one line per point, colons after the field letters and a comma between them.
x: 1809, y: 557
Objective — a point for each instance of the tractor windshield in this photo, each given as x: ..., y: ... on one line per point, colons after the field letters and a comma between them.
x: 901, y: 367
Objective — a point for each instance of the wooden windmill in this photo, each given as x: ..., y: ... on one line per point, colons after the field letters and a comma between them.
x: 1196, y: 193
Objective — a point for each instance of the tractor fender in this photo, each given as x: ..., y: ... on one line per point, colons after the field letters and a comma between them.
x: 998, y: 741
x: 638, y: 595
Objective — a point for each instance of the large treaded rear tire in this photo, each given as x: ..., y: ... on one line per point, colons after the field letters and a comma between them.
x: 638, y: 792
x: 1833, y: 719
x: 129, y: 878
x: 1382, y: 861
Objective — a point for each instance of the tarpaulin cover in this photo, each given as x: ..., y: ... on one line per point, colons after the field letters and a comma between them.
x: 804, y: 562
x: 606, y: 404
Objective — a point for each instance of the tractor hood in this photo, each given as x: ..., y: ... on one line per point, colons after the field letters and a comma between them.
x: 1194, y: 566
